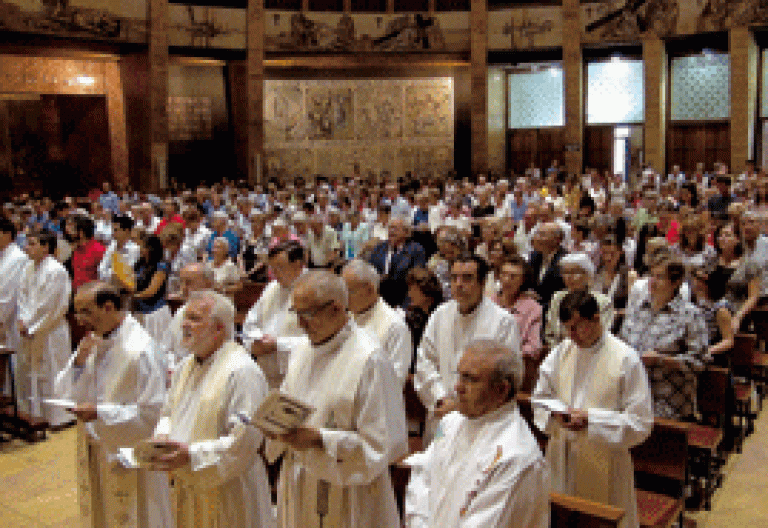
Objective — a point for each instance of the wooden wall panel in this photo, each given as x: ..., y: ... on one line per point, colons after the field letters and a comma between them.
x: 691, y: 143
x: 598, y: 147
x: 539, y: 146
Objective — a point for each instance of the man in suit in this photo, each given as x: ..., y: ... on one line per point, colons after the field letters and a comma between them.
x: 545, y: 258
x: 394, y: 258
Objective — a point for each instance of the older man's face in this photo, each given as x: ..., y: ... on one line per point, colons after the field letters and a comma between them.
x: 398, y: 233
x: 313, y: 314
x: 200, y: 333
x: 192, y: 279
x: 475, y: 394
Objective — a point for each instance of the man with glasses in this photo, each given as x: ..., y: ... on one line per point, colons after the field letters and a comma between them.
x: 335, y: 467
x: 469, y: 315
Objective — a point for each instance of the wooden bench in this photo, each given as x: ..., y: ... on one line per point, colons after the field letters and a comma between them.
x: 742, y: 363
x: 661, y: 473
x: 574, y: 512
x: 245, y: 298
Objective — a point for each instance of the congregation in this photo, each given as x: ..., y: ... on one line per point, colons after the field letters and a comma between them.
x: 499, y: 340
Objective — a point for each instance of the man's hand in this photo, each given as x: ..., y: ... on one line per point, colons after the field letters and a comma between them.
x: 444, y: 406
x: 302, y: 438
x: 87, y: 346
x: 266, y: 345
x: 85, y: 412
x: 651, y: 358
x: 573, y: 420
x: 176, y: 455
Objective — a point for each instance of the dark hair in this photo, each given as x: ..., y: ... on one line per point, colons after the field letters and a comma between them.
x: 293, y: 250
x: 154, y: 248
x: 673, y: 267
x: 482, y: 264
x: 84, y: 225
x: 647, y: 232
x: 739, y: 250
x: 579, y: 302
x: 123, y: 222
x: 517, y: 260
x: 46, y: 238
x: 6, y: 226
x: 723, y: 178
x: 107, y: 293
x: 427, y: 282
x: 582, y: 227
x: 587, y: 201
x: 385, y: 208
x: 715, y: 281
x: 691, y: 188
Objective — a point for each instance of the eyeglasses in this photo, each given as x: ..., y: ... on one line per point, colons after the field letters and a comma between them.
x: 310, y: 313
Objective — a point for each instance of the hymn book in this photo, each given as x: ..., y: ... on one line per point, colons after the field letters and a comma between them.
x: 279, y: 413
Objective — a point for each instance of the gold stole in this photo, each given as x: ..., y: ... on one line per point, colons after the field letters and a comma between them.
x: 119, y: 491
x: 199, y: 506
x: 592, y: 470
x: 338, y: 386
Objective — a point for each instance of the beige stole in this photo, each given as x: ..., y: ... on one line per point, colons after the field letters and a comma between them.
x: 588, y: 463
x: 338, y: 386
x: 376, y: 321
x: 119, y: 492
x: 197, y: 506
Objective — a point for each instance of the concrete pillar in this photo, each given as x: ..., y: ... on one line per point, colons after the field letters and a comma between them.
x: 479, y: 84
x: 744, y: 56
x: 655, y: 64
x: 573, y: 81
x: 158, y: 94
x: 254, y: 82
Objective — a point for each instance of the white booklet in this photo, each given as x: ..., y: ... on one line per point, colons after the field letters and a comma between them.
x: 553, y: 405
x: 279, y: 413
x: 59, y: 402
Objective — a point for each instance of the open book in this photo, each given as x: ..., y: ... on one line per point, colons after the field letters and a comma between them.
x: 279, y: 413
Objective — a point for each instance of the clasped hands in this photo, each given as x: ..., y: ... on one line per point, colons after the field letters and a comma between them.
x: 264, y: 346
x: 573, y: 420
x: 300, y: 439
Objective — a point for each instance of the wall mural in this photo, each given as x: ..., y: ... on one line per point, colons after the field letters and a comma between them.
x: 630, y: 19
x: 206, y: 27
x: 326, y: 127
x: 525, y: 28
x: 76, y: 19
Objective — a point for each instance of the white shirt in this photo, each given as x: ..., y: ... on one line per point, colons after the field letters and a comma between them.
x: 13, y: 261
x: 486, y: 471
x: 129, y: 253
x: 388, y: 326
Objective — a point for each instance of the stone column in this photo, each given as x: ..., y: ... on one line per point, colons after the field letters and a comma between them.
x: 158, y: 94
x: 478, y: 25
x: 655, y: 64
x: 573, y: 84
x: 744, y: 58
x: 254, y: 88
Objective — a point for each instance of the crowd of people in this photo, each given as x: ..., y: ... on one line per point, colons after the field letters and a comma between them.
x: 619, y: 295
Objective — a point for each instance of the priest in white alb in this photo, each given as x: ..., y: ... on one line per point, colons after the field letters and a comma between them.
x: 219, y: 477
x: 45, y: 342
x: 270, y: 330
x: 484, y: 467
x: 335, y: 470
x: 118, y: 387
x: 469, y: 315
x: 13, y: 262
x: 602, y: 408
x: 377, y: 317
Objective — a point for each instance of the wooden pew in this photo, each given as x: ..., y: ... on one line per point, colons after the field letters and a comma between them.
x: 245, y: 298
x: 661, y: 473
x: 742, y: 363
x: 574, y: 512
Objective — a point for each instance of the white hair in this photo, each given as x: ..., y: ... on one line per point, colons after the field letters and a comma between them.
x: 222, y: 310
x: 364, y: 272
x: 507, y: 365
x: 581, y: 260
x: 220, y: 240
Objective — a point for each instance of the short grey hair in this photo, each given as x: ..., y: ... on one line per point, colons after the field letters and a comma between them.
x: 222, y: 309
x: 204, y: 269
x: 220, y: 240
x: 507, y: 365
x: 327, y: 286
x: 364, y: 272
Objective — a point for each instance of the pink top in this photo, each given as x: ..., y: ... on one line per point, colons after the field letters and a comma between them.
x: 528, y: 314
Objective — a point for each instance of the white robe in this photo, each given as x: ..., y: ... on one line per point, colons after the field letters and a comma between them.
x: 446, y: 335
x: 171, y: 343
x: 42, y: 304
x: 229, y: 463
x: 127, y: 385
x: 388, y: 326
x: 360, y: 413
x: 487, y: 472
x: 610, y: 370
x: 129, y: 252
x: 270, y: 316
x: 13, y: 262
x: 554, y: 332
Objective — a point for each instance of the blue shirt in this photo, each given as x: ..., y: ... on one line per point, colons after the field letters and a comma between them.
x: 234, y: 242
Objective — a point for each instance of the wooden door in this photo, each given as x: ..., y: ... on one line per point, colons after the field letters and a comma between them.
x: 691, y: 143
x: 598, y: 147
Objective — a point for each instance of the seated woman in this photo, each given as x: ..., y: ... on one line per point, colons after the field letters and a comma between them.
x: 149, y: 304
x: 226, y: 274
x: 252, y: 259
x: 743, y: 275
x: 578, y: 272
x: 613, y: 277
x: 671, y: 336
x: 497, y: 251
x: 517, y: 296
x: 709, y: 285
x: 425, y: 293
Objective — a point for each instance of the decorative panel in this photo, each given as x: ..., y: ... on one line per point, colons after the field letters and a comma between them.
x: 328, y: 126
x: 615, y: 92
x: 196, y: 101
x: 496, y: 119
x: 701, y: 87
x: 764, y: 88
x: 536, y: 98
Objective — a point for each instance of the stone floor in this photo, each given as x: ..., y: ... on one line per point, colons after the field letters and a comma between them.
x: 37, y: 484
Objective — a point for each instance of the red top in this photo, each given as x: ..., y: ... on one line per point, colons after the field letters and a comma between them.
x: 164, y: 222
x: 85, y: 263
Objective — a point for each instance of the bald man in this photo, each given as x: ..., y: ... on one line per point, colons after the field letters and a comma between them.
x: 335, y: 469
